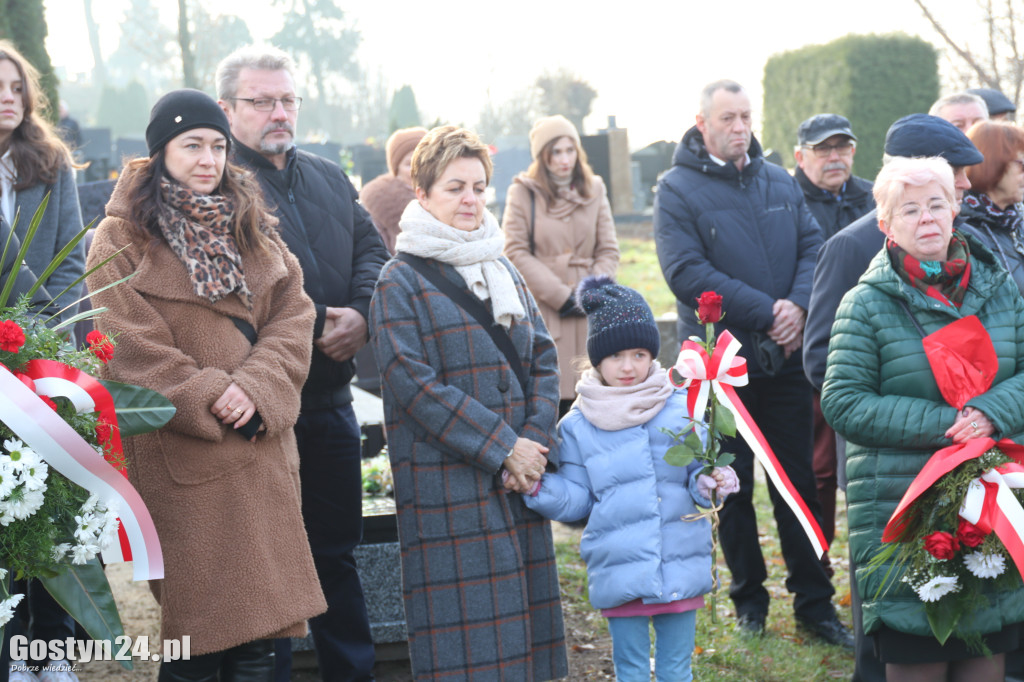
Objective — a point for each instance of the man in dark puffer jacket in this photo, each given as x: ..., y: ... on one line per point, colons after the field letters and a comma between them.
x: 341, y: 255
x: 726, y: 220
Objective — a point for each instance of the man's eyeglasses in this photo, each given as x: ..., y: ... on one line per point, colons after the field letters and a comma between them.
x: 824, y: 150
x: 268, y: 103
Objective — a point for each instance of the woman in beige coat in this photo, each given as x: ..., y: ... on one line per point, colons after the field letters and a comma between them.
x: 558, y: 230
x: 215, y: 318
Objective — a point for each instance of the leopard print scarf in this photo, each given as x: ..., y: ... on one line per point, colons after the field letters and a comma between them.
x: 198, y: 229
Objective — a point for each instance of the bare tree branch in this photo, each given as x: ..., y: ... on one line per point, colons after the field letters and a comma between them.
x: 963, y: 53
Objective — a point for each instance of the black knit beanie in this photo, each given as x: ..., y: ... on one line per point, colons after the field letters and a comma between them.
x: 181, y: 110
x: 618, y: 318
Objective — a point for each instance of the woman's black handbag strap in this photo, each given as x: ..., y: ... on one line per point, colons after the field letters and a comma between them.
x: 475, y: 307
x: 906, y: 309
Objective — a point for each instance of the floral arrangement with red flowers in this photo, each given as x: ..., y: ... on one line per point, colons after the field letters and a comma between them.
x: 949, y: 562
x: 52, y: 528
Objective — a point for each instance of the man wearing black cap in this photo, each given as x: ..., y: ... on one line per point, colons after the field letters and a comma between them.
x: 341, y: 255
x: 836, y: 197
x: 841, y: 262
x: 725, y: 220
x: 824, y: 159
x: 1000, y: 108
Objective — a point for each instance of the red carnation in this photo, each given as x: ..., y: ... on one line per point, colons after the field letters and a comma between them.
x: 11, y: 336
x: 941, y: 545
x: 46, y: 399
x: 969, y: 534
x: 709, y: 307
x: 100, y: 345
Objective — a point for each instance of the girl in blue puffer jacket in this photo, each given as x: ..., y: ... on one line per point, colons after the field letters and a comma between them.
x: 644, y: 560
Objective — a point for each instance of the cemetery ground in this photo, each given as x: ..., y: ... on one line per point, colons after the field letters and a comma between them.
x: 782, y: 655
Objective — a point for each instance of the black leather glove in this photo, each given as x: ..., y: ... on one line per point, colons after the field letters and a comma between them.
x: 570, y: 309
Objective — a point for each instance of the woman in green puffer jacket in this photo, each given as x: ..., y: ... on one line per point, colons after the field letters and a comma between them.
x: 880, y: 394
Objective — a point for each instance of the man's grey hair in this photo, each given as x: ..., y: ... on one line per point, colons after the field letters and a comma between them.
x: 709, y: 92
x: 262, y: 57
x: 957, y: 98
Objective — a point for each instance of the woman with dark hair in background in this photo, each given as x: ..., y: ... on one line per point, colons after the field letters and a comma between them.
x: 215, y: 318
x: 559, y: 230
x: 35, y: 161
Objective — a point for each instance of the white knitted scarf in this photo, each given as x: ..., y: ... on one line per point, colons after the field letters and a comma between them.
x: 613, y: 408
x: 474, y: 255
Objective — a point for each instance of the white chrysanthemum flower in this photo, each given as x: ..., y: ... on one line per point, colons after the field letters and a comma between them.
x: 83, y: 553
x: 8, y: 480
x: 7, y: 607
x: 91, y: 504
x: 85, y: 527
x: 6, y: 518
x: 937, y: 588
x: 3, y: 573
x: 13, y: 445
x: 59, y: 552
x: 34, y: 474
x: 107, y: 535
x: 985, y: 565
x: 26, y: 504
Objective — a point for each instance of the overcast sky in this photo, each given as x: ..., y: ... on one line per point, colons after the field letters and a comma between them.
x: 647, y: 60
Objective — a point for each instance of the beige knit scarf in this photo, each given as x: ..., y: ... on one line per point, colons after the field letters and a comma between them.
x: 613, y: 408
x: 474, y: 255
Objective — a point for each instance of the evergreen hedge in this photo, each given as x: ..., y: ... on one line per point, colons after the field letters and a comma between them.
x: 870, y: 79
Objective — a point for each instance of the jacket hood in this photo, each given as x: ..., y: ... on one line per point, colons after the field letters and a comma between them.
x: 692, y: 153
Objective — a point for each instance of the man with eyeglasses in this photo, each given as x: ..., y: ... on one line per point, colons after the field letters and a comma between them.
x: 341, y: 254
x: 824, y: 158
x: 841, y: 262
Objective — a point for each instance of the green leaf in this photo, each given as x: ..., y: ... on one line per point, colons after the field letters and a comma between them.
x: 30, y: 234
x: 725, y: 459
x: 692, y: 441
x: 84, y: 593
x: 139, y: 410
x: 679, y: 455
x: 725, y: 422
x: 942, y: 618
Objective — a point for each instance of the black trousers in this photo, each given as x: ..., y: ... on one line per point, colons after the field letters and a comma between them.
x: 781, y: 407
x: 330, y: 455
x: 249, y: 662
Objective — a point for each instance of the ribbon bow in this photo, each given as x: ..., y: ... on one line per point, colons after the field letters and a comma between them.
x: 720, y: 373
x: 989, y: 503
x: 44, y: 431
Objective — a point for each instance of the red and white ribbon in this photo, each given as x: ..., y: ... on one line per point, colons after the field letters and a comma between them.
x: 721, y: 373
x: 991, y: 506
x: 42, y: 429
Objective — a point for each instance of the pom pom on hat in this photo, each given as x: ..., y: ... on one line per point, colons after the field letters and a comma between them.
x: 618, y: 318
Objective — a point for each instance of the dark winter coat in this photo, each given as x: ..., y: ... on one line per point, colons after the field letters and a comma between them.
x: 841, y: 261
x: 61, y: 221
x: 834, y: 214
x: 746, y: 235
x: 478, y: 567
x: 880, y: 394
x: 1001, y: 242
x: 333, y: 237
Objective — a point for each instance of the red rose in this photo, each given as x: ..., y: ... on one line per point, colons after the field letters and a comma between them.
x: 11, y: 336
x: 941, y: 545
x: 100, y: 346
x: 709, y: 307
x: 969, y: 534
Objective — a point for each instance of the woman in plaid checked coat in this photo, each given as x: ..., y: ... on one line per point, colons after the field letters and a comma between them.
x: 478, y: 567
